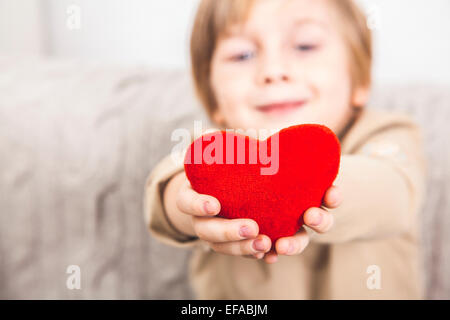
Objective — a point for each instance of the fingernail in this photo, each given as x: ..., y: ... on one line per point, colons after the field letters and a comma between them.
x: 258, y: 245
x: 245, y: 232
x: 317, y: 218
x: 208, y: 207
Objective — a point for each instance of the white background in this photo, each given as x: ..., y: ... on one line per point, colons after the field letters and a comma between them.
x: 412, y: 38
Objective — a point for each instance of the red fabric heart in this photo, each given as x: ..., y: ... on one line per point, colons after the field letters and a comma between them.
x: 308, y: 163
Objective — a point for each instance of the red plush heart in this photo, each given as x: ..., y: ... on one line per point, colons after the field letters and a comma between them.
x: 307, y: 164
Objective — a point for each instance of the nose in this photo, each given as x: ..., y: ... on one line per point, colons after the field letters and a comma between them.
x: 272, y: 70
x: 275, y: 77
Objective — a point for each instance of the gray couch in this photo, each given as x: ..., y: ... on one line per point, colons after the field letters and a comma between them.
x: 77, y: 141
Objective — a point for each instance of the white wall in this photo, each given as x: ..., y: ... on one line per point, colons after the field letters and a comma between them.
x: 21, y: 27
x: 412, y: 42
x: 411, y: 39
x: 152, y: 31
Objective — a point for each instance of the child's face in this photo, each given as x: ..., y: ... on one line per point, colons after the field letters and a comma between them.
x: 289, y: 52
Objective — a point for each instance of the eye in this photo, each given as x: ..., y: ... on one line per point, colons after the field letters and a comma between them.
x: 243, y: 56
x: 306, y: 47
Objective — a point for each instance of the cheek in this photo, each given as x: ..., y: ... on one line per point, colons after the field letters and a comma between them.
x: 330, y: 80
x: 334, y: 85
x: 231, y: 88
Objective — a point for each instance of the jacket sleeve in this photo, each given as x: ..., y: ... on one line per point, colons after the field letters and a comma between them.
x: 157, y: 222
x: 383, y: 185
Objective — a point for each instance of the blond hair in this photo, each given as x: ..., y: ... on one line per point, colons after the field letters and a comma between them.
x: 213, y: 18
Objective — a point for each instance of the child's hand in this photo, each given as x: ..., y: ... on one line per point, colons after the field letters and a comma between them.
x: 318, y: 219
x: 239, y: 237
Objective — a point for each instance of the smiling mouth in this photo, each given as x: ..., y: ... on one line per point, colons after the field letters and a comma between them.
x: 281, y: 107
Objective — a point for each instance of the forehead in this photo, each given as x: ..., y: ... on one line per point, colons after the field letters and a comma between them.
x: 280, y: 14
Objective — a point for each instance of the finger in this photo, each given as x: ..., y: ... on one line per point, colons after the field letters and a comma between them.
x: 243, y: 247
x: 256, y: 256
x: 191, y: 202
x: 318, y: 219
x: 259, y: 255
x: 217, y: 229
x: 294, y: 244
x: 271, y: 257
x: 333, y: 197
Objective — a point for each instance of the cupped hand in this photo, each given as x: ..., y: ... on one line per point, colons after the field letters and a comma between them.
x: 238, y: 237
x: 318, y: 219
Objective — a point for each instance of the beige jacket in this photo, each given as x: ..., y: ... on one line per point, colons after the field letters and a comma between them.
x: 372, y: 251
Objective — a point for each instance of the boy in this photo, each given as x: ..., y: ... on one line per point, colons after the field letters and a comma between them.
x: 269, y: 64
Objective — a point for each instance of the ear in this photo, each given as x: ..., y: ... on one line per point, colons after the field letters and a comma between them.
x: 360, y: 96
